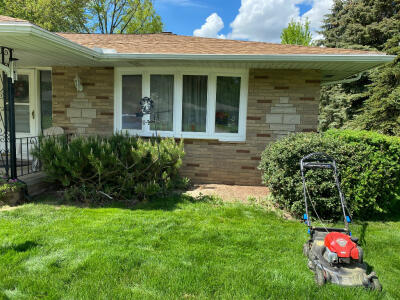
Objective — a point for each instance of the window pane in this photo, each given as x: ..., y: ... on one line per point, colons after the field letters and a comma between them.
x: 131, y: 95
x: 162, y: 93
x: 46, y: 99
x: 21, y: 89
x: 22, y: 119
x: 227, y: 108
x: 194, y: 103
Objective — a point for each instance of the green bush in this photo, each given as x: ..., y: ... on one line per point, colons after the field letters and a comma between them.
x: 369, y: 167
x: 118, y: 167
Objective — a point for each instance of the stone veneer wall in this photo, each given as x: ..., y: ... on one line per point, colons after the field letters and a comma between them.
x: 279, y: 102
x: 87, y: 112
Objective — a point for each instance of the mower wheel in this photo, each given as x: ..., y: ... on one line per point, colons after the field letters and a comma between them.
x: 319, y: 276
x: 375, y: 284
x: 306, y: 249
x: 311, y: 265
x: 360, y: 255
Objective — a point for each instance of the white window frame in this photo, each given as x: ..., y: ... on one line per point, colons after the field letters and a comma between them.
x: 177, y: 104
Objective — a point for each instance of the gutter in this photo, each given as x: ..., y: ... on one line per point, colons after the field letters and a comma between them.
x: 348, y: 80
x: 36, y: 31
x: 248, y: 57
x: 26, y: 29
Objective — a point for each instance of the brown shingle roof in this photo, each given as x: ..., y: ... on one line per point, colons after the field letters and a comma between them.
x: 164, y: 43
x: 7, y: 19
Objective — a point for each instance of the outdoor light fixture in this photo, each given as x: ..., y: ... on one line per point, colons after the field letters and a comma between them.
x: 78, y: 84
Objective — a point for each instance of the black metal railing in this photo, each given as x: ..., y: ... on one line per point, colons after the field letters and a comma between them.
x: 26, y: 163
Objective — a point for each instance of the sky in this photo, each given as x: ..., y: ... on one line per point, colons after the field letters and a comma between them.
x: 253, y: 20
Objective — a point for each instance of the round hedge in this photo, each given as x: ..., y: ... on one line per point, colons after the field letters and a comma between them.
x: 369, y: 168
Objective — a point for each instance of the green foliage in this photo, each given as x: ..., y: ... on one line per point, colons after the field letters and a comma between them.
x: 297, y: 33
x: 371, y: 103
x: 124, y: 16
x: 104, y: 16
x: 7, y: 186
x: 361, y: 24
x: 368, y: 162
x: 52, y: 15
x: 381, y: 110
x: 101, y: 169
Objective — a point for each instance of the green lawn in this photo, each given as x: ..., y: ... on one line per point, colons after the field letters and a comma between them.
x: 176, y: 248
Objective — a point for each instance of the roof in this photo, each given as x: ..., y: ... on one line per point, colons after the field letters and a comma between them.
x: 167, y: 43
x: 37, y: 47
x: 7, y: 19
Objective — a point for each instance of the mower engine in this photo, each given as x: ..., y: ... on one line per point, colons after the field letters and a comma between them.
x: 340, y: 249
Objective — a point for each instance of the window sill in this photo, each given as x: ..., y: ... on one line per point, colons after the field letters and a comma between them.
x: 191, y: 136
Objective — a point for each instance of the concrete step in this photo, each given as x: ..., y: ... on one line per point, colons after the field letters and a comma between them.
x: 36, y: 183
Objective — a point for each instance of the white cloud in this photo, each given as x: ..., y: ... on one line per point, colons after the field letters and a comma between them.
x: 316, y: 15
x: 263, y: 20
x: 211, y: 27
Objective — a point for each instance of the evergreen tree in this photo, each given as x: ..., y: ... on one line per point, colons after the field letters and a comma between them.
x: 373, y: 101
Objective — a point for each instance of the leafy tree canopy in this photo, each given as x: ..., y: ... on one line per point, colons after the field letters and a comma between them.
x: 297, y: 33
x: 124, y: 16
x: 103, y: 16
x: 52, y: 15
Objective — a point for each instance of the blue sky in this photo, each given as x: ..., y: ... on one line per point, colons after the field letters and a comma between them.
x: 257, y: 19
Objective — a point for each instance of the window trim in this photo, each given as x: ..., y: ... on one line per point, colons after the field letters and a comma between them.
x: 178, y: 73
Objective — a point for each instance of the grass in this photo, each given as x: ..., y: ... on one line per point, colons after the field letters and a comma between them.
x: 175, y: 248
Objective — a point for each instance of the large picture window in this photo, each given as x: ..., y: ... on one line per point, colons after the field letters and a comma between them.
x: 227, y: 108
x: 162, y: 93
x: 131, y: 95
x: 188, y: 103
x: 194, y: 103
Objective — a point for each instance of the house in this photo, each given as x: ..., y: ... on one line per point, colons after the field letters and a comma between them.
x: 228, y: 99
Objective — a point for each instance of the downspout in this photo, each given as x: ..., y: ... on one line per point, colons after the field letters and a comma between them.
x: 349, y: 80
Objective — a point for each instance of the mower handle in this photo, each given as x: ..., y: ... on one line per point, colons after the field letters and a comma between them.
x: 319, y: 160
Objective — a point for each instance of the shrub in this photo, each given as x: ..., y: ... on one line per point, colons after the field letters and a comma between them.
x: 7, y: 187
x: 369, y: 168
x: 118, y: 167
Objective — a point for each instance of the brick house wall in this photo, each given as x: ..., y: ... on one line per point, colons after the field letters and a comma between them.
x: 279, y: 102
x: 89, y: 112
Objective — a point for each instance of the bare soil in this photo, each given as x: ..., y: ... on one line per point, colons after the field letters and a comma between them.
x: 230, y: 193
x: 6, y: 208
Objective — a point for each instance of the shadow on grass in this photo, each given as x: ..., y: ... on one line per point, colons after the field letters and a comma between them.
x: 22, y: 247
x: 166, y: 202
x: 362, y: 239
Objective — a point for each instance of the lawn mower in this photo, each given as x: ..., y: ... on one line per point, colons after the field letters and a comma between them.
x: 333, y: 254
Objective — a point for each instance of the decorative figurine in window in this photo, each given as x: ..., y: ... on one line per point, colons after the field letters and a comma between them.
x: 147, y: 105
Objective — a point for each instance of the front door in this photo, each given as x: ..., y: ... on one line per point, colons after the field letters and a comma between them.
x: 25, y: 104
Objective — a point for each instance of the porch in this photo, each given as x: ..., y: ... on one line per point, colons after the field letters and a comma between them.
x: 28, y: 168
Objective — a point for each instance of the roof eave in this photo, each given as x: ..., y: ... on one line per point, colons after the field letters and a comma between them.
x: 29, y: 29
x: 22, y: 29
x: 373, y: 58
